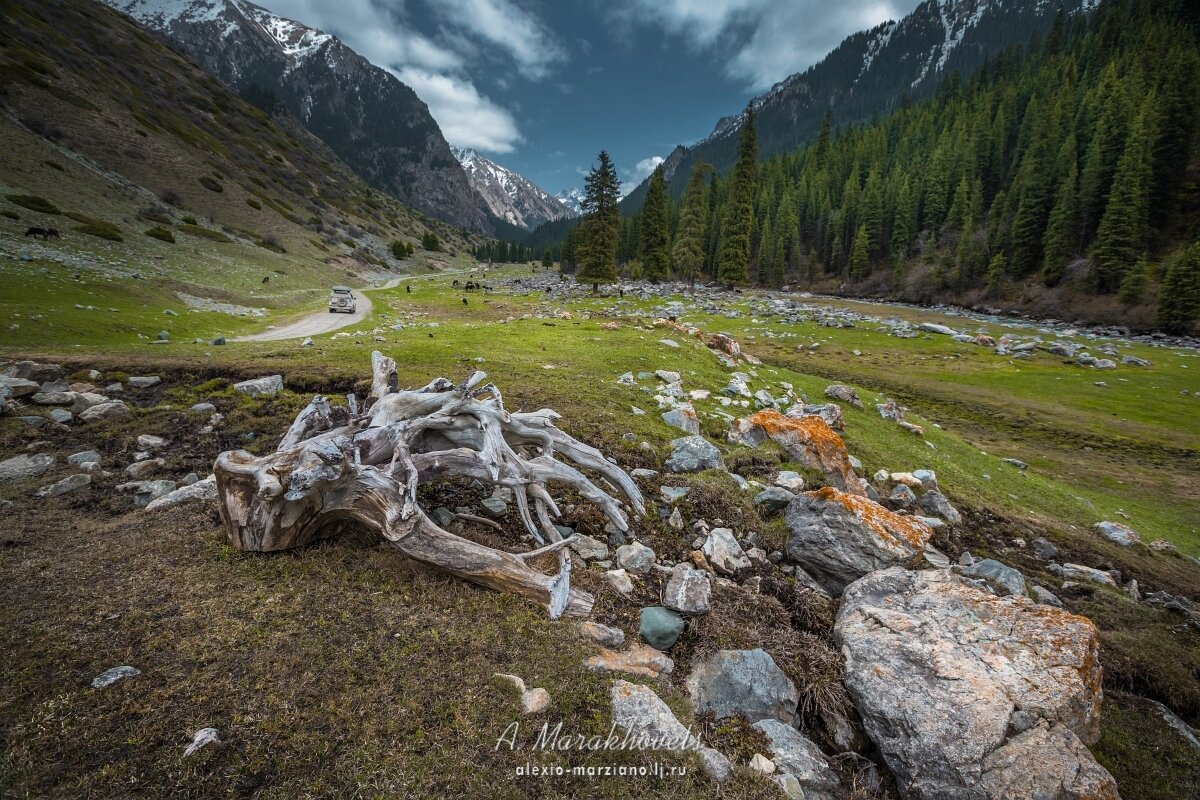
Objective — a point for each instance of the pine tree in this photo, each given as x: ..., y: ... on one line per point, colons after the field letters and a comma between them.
x: 995, y: 274
x: 1058, y: 245
x: 601, y: 227
x: 548, y: 258
x: 654, y: 234
x: 1121, y: 237
x: 690, y: 239
x: 1179, y: 298
x: 737, y: 225
x: 860, y: 254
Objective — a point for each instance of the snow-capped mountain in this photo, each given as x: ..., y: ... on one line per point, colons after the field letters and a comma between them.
x: 572, y: 199
x: 871, y: 72
x: 367, y: 116
x: 510, y: 196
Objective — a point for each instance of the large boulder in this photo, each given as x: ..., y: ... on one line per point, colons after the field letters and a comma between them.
x: 261, y: 387
x: 642, y: 713
x: 969, y: 695
x: 808, y: 440
x: 800, y: 758
x: 108, y: 409
x: 18, y: 468
x: 746, y: 682
x: 839, y: 537
x: 693, y: 454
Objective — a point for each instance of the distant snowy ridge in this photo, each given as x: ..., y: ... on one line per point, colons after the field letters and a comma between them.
x: 509, y: 195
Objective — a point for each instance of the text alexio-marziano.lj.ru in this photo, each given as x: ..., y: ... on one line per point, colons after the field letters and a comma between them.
x: 553, y: 739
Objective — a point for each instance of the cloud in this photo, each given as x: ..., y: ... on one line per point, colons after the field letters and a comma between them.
x: 641, y: 170
x: 768, y: 39
x: 504, y: 25
x: 467, y: 118
x: 438, y: 66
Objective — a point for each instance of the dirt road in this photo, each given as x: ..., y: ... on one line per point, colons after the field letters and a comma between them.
x: 319, y: 322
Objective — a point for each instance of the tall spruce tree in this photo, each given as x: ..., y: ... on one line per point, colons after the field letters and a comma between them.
x: 601, y: 226
x: 737, y: 225
x: 1179, y: 300
x: 860, y: 254
x: 1121, y: 237
x: 692, y: 235
x: 654, y: 233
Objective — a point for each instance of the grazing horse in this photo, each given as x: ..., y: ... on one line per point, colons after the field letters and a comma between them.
x: 36, y: 232
x: 267, y: 279
x: 51, y: 233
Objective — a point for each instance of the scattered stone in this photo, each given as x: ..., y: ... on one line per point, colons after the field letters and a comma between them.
x: 111, y: 676
x: 746, y: 682
x: 684, y: 418
x: 839, y: 537
x: 1044, y: 548
x: 148, y: 442
x: 589, y: 548
x: 533, y: 701
x: 201, y: 738
x: 143, y: 381
x: 1021, y: 465
x: 901, y: 497
x: 660, y: 627
x: 954, y: 685
x: 139, y: 470
x: 1078, y: 572
x: 1044, y: 596
x: 673, y: 494
x: 792, y: 481
x: 204, y: 491
x: 762, y: 765
x: 53, y: 398
x: 203, y: 408
x: 845, y: 394
x: 261, y: 387
x: 61, y: 416
x: 1003, y: 579
x: 800, y: 758
x: 688, y: 590
x: 21, y: 467
x: 620, y: 581
x: 637, y: 660
x: 146, y: 492
x: 71, y: 483
x: 644, y: 715
x: 1117, y: 533
x: 774, y: 498
x: 635, y: 557
x: 602, y: 634
x: 724, y: 553
x: 108, y: 409
x: 308, y: 342
x: 494, y: 507
x: 693, y: 454
x: 84, y: 457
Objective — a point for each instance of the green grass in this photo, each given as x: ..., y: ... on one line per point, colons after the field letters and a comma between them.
x: 33, y: 203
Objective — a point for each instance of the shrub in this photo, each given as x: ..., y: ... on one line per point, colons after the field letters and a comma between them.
x: 193, y: 229
x: 102, y: 230
x: 271, y: 242
x: 400, y: 249
x: 253, y: 203
x: 54, y: 165
x: 431, y: 242
x: 189, y: 220
x: 155, y: 214
x: 171, y: 198
x: 211, y: 184
x: 10, y: 214
x: 162, y: 234
x: 33, y: 203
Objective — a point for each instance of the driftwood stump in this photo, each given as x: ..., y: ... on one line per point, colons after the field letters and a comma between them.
x: 340, y: 464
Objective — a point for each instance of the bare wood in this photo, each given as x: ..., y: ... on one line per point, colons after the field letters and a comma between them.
x: 335, y: 468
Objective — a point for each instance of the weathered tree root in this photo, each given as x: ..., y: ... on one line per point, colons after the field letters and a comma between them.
x: 337, y: 464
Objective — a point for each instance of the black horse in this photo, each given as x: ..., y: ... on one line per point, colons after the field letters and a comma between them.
x: 45, y: 233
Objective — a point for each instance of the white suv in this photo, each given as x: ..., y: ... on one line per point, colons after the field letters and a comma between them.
x: 342, y: 300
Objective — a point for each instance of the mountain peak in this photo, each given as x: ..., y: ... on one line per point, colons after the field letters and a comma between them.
x: 509, y: 195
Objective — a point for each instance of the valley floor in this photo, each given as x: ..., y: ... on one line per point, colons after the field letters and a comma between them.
x: 342, y: 670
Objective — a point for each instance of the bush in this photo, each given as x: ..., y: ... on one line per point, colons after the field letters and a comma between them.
x: 211, y: 184
x: 189, y: 220
x: 54, y: 165
x: 401, y: 249
x: 430, y: 241
x: 102, y: 230
x: 33, y: 203
x: 162, y: 234
x: 10, y: 214
x: 271, y: 242
x: 204, y: 233
x: 155, y: 214
x: 171, y: 198
x: 253, y: 203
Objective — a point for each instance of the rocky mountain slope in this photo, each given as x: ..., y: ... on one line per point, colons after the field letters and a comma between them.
x: 372, y: 120
x: 871, y: 73
x: 572, y: 199
x: 509, y: 195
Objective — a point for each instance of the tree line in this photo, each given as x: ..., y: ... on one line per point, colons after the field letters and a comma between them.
x: 1076, y: 162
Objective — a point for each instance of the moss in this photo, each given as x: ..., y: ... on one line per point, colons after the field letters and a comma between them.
x: 1149, y: 759
x: 162, y: 234
x: 33, y: 203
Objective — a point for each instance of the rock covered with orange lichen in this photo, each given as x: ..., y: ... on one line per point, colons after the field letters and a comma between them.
x: 838, y: 537
x: 971, y: 695
x: 808, y: 440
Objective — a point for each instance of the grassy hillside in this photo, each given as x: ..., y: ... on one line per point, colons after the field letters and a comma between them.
x: 161, y: 180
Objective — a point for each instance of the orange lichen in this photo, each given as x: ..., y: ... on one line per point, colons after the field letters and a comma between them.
x: 812, y: 442
x: 888, y: 526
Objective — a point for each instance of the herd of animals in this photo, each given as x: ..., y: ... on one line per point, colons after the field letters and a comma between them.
x: 45, y: 233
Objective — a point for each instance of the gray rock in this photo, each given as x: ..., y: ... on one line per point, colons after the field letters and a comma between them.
x: 1016, y: 462
x: 588, y: 548
x: 774, y: 498
x: 19, y: 468
x: 660, y: 627
x: 683, y: 418
x: 201, y: 739
x: 203, y: 408
x: 71, y: 483
x: 949, y: 680
x: 146, y: 492
x: 1000, y: 577
x: 261, y: 387
x: 688, y: 590
x: 901, y: 497
x: 53, y: 398
x: 1045, y: 596
x: 673, y: 494
x: 935, y: 504
x: 1117, y: 533
x: 693, y: 454
x: 109, y: 409
x: 620, y: 581
x: 84, y: 457
x: 19, y: 387
x: 189, y: 479
x: 1078, y: 572
x: 149, y: 442
x: 602, y: 634
x: 494, y: 507
x: 790, y: 480
x: 204, y: 491
x: 1044, y: 548
x: 846, y: 394
x: 635, y: 557
x: 62, y: 416
x: 141, y: 469
x: 838, y: 538
x: 724, y: 552
x: 797, y: 756
x: 1134, y: 361
x: 111, y: 676
x: 643, y: 714
x: 746, y: 682
x: 143, y: 381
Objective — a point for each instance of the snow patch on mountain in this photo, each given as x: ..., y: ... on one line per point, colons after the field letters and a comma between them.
x: 572, y: 199
x: 509, y: 195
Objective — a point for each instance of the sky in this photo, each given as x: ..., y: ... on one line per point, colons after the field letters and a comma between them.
x: 541, y: 86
